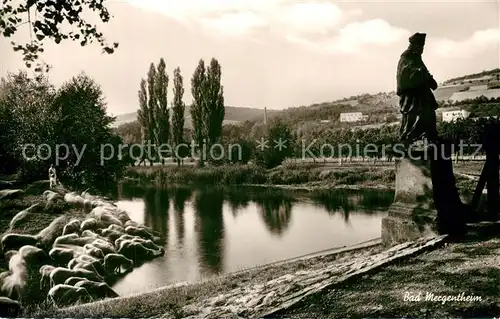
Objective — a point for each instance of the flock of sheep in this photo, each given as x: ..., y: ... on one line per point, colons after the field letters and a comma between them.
x: 73, y: 260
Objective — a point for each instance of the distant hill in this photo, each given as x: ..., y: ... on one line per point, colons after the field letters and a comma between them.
x: 233, y: 115
x: 495, y: 73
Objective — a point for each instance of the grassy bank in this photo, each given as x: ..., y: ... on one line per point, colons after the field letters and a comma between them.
x: 289, y: 174
x: 33, y: 194
x: 300, y: 176
x: 401, y: 290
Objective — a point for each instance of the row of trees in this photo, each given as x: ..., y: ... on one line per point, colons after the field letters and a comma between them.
x: 162, y: 125
x: 153, y: 113
x: 315, y: 141
x: 207, y: 111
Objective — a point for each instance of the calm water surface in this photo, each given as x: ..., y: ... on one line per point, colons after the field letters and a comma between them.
x: 210, y: 232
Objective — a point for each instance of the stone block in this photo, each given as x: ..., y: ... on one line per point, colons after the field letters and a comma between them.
x: 412, y: 215
x: 413, y: 180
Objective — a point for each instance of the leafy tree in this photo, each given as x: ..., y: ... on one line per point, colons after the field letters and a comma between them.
x: 143, y: 114
x: 73, y: 117
x: 26, y: 119
x: 161, y: 112
x: 46, y: 19
x: 258, y: 131
x: 150, y: 112
x: 152, y: 106
x: 178, y: 108
x: 214, y: 103
x: 197, y: 108
x: 236, y: 139
x: 130, y: 132
x: 7, y: 136
x: 241, y: 151
x: 80, y: 109
x: 207, y: 111
x: 280, y: 145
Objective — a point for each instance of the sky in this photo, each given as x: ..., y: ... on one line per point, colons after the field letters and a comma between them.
x: 275, y: 53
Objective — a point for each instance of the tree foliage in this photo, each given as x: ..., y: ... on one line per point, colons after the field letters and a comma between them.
x: 81, y: 121
x: 160, y: 101
x: 72, y: 117
x: 207, y: 110
x: 213, y: 110
x: 26, y: 117
x: 46, y: 19
x: 197, y: 108
x: 238, y: 143
x: 153, y: 113
x: 143, y: 114
x: 178, y: 109
x: 280, y: 145
x: 130, y: 132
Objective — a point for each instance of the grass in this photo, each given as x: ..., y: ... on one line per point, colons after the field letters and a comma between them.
x: 307, y: 175
x: 288, y: 174
x: 34, y: 222
x: 469, y: 267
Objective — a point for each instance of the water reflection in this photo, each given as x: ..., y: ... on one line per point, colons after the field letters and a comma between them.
x: 156, y: 206
x: 237, y: 200
x: 274, y: 205
x: 209, y: 226
x: 276, y: 211
x: 213, y: 231
x: 346, y: 201
x: 181, y: 196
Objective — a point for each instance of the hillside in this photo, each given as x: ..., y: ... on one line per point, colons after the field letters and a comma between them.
x: 378, y: 108
x: 233, y: 115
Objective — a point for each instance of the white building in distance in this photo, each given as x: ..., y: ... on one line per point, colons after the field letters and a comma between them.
x: 352, y: 117
x: 450, y: 116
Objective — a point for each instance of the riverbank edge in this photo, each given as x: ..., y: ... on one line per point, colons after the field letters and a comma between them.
x: 110, y: 307
x: 315, y: 176
x: 299, y: 187
x: 305, y: 177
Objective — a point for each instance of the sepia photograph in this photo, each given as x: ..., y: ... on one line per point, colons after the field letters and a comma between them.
x: 213, y: 159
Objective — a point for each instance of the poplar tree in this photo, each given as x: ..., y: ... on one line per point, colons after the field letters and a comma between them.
x: 208, y: 111
x: 161, y: 112
x: 143, y: 114
x: 214, y: 110
x: 178, y: 109
x: 197, y: 108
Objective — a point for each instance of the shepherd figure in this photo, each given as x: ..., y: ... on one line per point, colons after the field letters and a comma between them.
x: 52, y: 176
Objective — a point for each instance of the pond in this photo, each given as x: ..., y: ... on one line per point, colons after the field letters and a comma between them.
x: 212, y: 231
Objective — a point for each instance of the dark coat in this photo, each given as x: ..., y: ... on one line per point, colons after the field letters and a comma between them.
x: 417, y: 102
